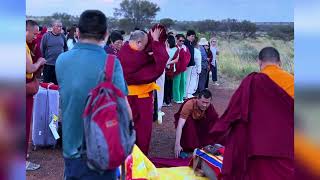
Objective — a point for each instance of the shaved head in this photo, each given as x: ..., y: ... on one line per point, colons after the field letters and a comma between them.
x: 138, y: 39
x: 137, y: 35
x: 269, y: 54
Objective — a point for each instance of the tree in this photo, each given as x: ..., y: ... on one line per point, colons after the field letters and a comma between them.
x: 284, y: 32
x: 126, y: 25
x: 66, y: 19
x: 167, y: 22
x: 140, y: 12
x: 248, y: 29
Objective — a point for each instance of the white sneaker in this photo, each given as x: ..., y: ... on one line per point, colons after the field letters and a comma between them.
x: 217, y: 84
x: 159, y: 119
x: 160, y: 113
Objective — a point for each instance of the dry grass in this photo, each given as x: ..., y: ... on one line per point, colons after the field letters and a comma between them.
x: 238, y: 57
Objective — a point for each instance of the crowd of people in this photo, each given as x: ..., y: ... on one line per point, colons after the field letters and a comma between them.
x: 154, y: 69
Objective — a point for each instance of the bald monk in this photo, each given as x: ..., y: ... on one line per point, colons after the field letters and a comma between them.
x: 193, y: 122
x: 257, y: 127
x: 143, y: 61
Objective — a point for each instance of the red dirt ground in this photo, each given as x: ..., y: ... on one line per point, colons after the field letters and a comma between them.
x: 162, y: 143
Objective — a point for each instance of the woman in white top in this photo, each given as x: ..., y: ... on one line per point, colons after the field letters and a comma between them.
x: 192, y: 86
x: 164, y: 95
x: 72, y: 37
x: 215, y: 54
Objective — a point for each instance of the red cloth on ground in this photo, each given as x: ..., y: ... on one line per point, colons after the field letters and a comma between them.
x: 170, y: 162
x: 259, y: 129
x: 195, y: 133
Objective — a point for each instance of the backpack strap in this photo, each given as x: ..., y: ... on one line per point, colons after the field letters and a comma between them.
x: 109, y: 67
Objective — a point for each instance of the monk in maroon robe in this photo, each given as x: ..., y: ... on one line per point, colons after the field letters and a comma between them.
x: 193, y: 122
x: 257, y: 127
x: 143, y: 61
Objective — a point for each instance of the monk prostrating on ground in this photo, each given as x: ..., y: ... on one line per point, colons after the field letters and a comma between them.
x: 257, y: 127
x: 193, y: 122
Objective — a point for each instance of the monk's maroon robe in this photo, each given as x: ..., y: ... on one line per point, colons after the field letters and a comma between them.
x: 195, y: 133
x: 257, y: 129
x: 141, y: 68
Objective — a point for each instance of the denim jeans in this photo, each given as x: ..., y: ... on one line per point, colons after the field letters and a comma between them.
x: 77, y: 169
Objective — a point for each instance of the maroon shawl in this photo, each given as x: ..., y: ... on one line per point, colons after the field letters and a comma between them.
x: 184, y: 59
x: 141, y: 68
x: 257, y: 122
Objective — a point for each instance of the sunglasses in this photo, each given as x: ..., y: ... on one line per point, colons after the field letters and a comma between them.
x: 181, y: 40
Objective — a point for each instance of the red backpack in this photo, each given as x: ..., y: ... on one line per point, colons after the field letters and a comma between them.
x: 108, y: 130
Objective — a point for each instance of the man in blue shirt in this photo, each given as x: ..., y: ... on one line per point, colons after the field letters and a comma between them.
x: 78, y: 71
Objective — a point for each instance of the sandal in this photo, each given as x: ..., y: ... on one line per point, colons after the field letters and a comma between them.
x: 31, y: 166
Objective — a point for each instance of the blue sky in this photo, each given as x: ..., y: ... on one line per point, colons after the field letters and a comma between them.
x: 254, y: 10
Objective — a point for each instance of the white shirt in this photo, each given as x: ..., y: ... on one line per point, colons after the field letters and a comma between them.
x: 197, y: 59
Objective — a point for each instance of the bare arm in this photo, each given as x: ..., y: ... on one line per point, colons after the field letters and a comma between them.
x: 177, y: 147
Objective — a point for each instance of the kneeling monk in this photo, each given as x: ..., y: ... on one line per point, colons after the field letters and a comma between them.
x: 193, y: 122
x: 259, y: 124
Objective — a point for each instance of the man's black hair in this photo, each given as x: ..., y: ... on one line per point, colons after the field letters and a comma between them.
x: 114, y: 36
x: 205, y: 93
x: 171, y: 41
x: 92, y: 24
x: 31, y: 23
x: 178, y: 36
x: 191, y: 32
x: 269, y: 54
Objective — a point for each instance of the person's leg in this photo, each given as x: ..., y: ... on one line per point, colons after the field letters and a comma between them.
x: 214, y: 74
x: 202, y: 79
x: 142, y: 111
x: 183, y: 86
x: 167, y: 91
x: 77, y: 169
x: 54, y: 77
x: 155, y: 106
x: 46, y: 74
x: 29, y: 106
x: 176, y: 87
x: 193, y: 83
x: 207, y: 80
x: 170, y: 89
x: 160, y: 93
x: 188, y: 77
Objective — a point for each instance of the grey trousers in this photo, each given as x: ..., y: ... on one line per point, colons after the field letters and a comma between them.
x: 203, y: 79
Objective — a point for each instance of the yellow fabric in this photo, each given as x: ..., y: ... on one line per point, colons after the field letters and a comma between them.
x: 307, y: 153
x: 29, y: 75
x: 178, y: 173
x: 142, y: 167
x: 284, y: 79
x: 143, y: 90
